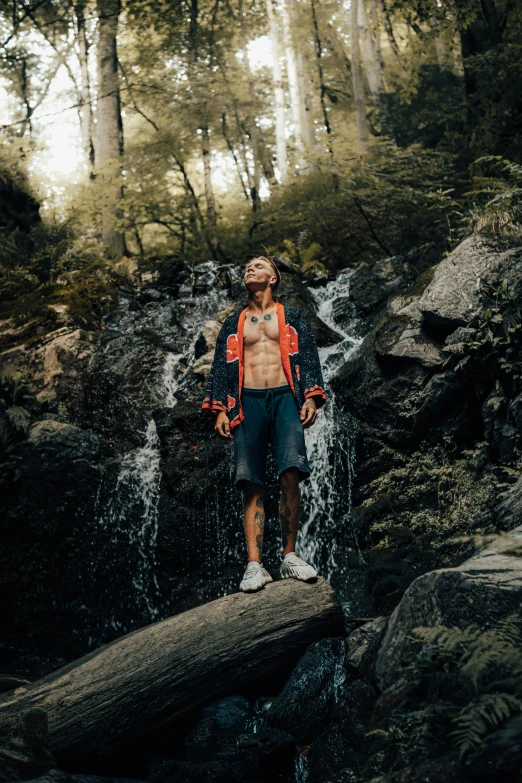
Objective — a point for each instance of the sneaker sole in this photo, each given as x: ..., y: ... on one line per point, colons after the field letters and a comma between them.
x: 256, y: 589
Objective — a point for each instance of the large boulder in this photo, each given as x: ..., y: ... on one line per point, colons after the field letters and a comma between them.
x: 481, y: 591
x: 454, y: 295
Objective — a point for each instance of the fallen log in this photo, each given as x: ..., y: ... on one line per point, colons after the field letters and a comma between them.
x: 149, y: 677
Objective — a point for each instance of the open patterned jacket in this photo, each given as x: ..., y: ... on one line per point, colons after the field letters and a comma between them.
x: 299, y: 356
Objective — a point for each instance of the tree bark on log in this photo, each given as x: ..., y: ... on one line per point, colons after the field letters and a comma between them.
x: 143, y: 681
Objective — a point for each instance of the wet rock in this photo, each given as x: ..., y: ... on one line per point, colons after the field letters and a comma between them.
x: 373, y: 283
x: 55, y: 366
x: 304, y: 705
x: 215, y: 734
x: 147, y: 295
x: 362, y: 645
x: 509, y: 508
x: 500, y: 433
x: 453, y: 296
x: 483, y: 590
x: 343, y: 742
x: 401, y: 336
x: 230, y: 742
x: 64, y: 441
x: 27, y: 752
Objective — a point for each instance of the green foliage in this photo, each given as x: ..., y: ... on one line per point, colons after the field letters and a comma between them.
x: 303, y: 256
x: 493, y: 350
x: 497, y: 190
x: 486, y: 664
x: 16, y: 398
x: 45, y: 274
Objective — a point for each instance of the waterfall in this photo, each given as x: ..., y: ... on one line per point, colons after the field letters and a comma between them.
x: 128, y: 496
x: 326, y: 537
x: 123, y: 560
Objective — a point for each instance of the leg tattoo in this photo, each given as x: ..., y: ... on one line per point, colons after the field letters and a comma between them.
x: 254, y: 516
x: 259, y: 516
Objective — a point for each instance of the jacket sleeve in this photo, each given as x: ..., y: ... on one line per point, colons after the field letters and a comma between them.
x: 216, y: 391
x: 311, y: 372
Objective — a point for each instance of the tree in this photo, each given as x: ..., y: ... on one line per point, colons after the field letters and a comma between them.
x: 109, y: 127
x: 279, y: 93
x: 357, y: 78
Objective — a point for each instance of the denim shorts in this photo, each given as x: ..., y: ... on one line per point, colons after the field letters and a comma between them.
x: 270, y: 416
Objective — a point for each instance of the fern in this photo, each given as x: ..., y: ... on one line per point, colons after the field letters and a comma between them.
x: 487, y: 662
x: 482, y: 716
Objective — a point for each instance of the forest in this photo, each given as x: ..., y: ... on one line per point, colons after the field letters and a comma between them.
x: 148, y: 150
x: 330, y: 132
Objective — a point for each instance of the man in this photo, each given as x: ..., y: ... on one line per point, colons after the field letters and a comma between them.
x: 265, y: 385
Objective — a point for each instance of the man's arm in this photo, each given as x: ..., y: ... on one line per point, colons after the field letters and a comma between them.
x: 310, y: 364
x: 216, y: 390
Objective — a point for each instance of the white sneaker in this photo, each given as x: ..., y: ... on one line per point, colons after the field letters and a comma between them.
x: 255, y: 577
x: 294, y: 566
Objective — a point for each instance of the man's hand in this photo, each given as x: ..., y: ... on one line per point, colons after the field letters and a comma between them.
x: 308, y: 413
x: 222, y: 425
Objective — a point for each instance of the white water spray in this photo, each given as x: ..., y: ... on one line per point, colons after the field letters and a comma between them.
x: 326, y: 534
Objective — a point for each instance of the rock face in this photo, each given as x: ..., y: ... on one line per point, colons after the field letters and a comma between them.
x: 436, y: 446
x: 453, y: 296
x: 484, y: 589
x: 117, y: 457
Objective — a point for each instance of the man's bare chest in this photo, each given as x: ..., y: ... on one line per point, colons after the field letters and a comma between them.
x: 263, y: 333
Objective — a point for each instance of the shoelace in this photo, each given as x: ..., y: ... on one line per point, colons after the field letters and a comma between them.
x: 251, y: 571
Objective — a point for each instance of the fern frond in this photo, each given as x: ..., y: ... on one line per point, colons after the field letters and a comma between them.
x: 483, y: 715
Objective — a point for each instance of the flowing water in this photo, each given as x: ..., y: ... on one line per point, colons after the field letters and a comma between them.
x: 129, y: 495
x: 127, y: 499
x: 326, y: 537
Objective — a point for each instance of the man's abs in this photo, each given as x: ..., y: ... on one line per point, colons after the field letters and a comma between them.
x: 262, y: 355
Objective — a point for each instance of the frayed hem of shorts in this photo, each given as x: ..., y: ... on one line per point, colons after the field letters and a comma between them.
x: 303, y: 474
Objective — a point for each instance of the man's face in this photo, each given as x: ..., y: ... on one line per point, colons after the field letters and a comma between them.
x: 259, y: 275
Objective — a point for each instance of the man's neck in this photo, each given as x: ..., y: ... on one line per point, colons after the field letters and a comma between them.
x: 260, y: 301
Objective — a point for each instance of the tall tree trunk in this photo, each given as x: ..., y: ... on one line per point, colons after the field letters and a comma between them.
x: 357, y: 79
x: 85, y: 101
x: 109, y: 128
x: 371, y: 66
x: 279, y: 94
x: 209, y: 192
x: 252, y: 126
x: 304, y: 82
x: 296, y: 98
x: 319, y: 54
x: 456, y: 54
x: 377, y: 43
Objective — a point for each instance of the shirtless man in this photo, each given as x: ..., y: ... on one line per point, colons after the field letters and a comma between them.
x: 271, y: 413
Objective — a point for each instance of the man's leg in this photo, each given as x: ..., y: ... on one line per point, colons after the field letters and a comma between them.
x: 289, y: 508
x: 256, y: 576
x: 254, y: 518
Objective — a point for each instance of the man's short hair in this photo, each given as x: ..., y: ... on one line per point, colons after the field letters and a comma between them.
x: 274, y: 267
